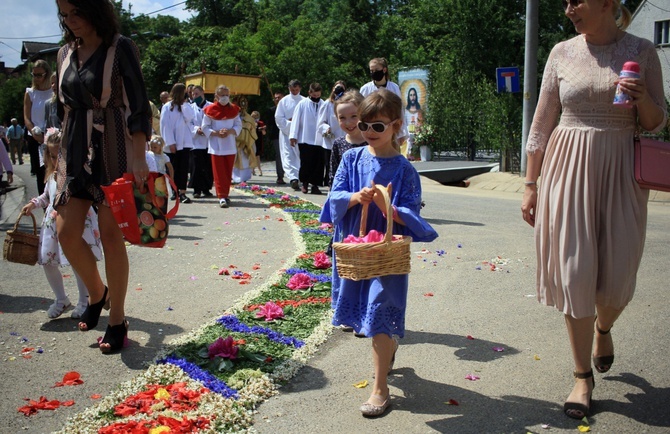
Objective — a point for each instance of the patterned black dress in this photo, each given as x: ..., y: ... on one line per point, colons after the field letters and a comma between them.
x: 104, y: 103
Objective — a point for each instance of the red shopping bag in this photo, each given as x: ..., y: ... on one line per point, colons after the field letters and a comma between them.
x: 143, y: 214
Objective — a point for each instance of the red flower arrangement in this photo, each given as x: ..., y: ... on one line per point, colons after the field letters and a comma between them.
x: 174, y: 397
x: 170, y: 425
x: 293, y: 303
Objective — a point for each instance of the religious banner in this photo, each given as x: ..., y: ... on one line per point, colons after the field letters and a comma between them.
x: 414, y: 93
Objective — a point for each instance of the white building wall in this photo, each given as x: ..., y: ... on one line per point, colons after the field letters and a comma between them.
x: 644, y: 24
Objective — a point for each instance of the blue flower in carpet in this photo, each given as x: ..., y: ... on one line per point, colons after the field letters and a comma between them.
x: 199, y: 374
x: 233, y: 324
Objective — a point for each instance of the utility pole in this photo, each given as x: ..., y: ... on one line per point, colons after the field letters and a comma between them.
x: 529, y: 75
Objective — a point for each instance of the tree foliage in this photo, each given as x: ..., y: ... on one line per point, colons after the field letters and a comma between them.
x: 461, y: 42
x: 11, y: 98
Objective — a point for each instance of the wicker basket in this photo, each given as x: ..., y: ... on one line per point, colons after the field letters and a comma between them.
x: 21, y: 247
x: 368, y: 260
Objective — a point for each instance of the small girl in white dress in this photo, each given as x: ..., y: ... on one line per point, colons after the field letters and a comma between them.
x: 50, y: 256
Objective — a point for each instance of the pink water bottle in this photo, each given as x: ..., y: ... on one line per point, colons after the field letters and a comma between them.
x: 630, y: 70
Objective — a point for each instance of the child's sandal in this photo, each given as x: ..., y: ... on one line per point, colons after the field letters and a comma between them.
x: 58, y: 308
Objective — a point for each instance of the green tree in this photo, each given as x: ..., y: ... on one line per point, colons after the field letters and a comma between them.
x: 11, y: 98
x: 463, y: 54
x: 222, y: 13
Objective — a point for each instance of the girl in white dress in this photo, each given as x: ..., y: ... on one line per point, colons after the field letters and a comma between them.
x: 49, y: 254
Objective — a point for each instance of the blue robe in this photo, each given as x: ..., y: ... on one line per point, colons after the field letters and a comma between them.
x: 376, y: 305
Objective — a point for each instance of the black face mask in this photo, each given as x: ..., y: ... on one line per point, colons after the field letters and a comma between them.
x: 378, y: 75
x: 315, y: 99
x: 338, y: 90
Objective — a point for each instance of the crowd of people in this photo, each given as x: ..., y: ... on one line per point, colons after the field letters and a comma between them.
x: 300, y: 130
x: 589, y: 217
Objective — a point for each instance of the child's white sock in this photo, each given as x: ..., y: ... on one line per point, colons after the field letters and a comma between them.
x: 83, y: 291
x: 55, y: 279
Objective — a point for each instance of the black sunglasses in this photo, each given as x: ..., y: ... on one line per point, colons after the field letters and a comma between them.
x: 573, y: 3
x: 40, y: 75
x: 377, y: 127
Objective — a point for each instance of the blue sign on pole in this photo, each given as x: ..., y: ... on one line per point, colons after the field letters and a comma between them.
x: 508, y: 80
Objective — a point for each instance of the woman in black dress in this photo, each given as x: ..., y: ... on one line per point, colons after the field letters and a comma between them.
x: 106, y: 126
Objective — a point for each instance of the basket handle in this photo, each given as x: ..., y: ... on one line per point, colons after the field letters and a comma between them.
x: 386, y: 194
x: 16, y: 225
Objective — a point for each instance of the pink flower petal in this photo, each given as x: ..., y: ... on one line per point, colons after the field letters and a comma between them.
x: 299, y: 281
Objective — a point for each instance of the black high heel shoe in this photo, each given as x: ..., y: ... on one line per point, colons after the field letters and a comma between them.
x: 603, y: 363
x: 576, y: 410
x: 116, y: 336
x: 92, y: 313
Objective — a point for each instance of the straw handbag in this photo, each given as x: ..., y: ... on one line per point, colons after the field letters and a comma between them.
x: 21, y: 247
x: 367, y: 260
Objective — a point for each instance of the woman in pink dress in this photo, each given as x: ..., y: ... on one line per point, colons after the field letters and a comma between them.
x: 590, y: 215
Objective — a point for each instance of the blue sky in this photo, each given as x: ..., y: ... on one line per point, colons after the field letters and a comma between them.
x: 25, y: 20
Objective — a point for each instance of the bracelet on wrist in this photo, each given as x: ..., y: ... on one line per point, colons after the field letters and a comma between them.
x: 527, y: 183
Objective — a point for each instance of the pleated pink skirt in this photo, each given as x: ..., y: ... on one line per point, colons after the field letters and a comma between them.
x: 591, y: 220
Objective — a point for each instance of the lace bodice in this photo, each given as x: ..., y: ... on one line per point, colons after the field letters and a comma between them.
x: 578, y: 87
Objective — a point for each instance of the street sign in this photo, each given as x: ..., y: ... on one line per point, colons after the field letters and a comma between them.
x: 508, y: 80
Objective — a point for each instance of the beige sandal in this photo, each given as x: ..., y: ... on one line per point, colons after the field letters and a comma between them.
x: 371, y: 410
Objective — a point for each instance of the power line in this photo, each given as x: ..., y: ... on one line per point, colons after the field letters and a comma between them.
x: 658, y: 7
x: 59, y: 35
x: 54, y: 36
x: 168, y: 7
x: 10, y: 47
x: 32, y: 37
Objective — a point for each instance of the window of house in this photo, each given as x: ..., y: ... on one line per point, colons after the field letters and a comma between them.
x: 662, y: 32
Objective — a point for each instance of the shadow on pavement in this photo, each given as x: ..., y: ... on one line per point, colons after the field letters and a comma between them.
x: 136, y: 355
x: 441, y: 222
x: 649, y: 406
x: 475, y: 412
x: 23, y: 304
x: 473, y: 350
x: 310, y: 379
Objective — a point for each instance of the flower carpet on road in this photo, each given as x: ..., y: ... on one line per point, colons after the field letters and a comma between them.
x: 212, y: 379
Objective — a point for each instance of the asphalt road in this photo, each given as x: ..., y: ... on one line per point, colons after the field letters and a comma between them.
x: 452, y: 295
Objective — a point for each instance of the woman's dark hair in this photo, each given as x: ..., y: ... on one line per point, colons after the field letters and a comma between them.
x: 100, y: 14
x: 177, y: 95
x: 409, y: 102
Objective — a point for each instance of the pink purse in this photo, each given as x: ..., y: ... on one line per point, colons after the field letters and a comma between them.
x: 652, y: 163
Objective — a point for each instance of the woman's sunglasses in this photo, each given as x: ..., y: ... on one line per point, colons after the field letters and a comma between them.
x: 38, y: 75
x: 377, y: 127
x: 573, y: 3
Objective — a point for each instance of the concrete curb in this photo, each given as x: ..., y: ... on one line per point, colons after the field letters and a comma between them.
x: 513, y: 183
